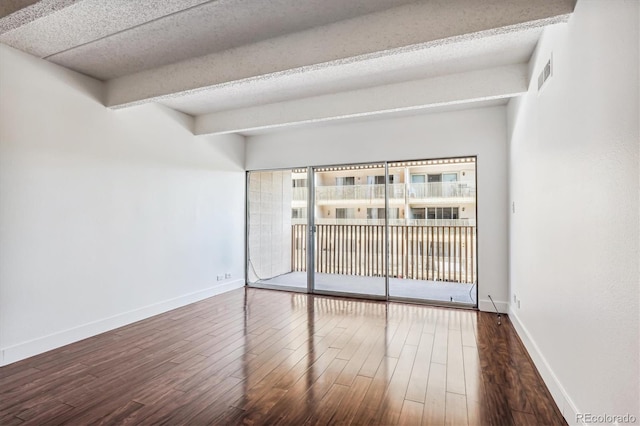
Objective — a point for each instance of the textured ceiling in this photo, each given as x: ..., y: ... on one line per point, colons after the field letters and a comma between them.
x: 108, y: 39
x: 487, y: 52
x: 208, y: 56
x: 7, y: 7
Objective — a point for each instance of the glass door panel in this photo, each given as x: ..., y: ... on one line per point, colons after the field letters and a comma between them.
x: 432, y: 247
x: 350, y: 230
x: 277, y: 231
x: 382, y: 230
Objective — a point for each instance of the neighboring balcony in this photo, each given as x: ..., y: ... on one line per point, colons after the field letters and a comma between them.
x: 392, y: 222
x: 399, y: 193
x: 456, y: 192
x: 359, y: 193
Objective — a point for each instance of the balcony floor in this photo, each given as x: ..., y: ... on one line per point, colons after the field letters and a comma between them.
x: 438, y: 291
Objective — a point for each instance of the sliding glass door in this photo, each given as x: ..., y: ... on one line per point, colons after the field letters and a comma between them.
x: 432, y: 250
x: 389, y: 230
x: 349, y: 218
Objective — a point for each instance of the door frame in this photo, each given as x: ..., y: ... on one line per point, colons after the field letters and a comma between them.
x: 311, y: 237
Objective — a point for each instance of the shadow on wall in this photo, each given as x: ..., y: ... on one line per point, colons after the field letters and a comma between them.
x: 72, y: 81
x: 73, y: 122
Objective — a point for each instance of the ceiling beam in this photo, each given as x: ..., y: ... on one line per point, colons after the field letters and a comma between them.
x: 415, y: 27
x: 473, y: 86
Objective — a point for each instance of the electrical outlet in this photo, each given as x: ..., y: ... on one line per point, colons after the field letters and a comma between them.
x: 513, y: 206
x: 227, y: 275
x: 220, y: 277
x: 515, y: 299
x: 518, y: 304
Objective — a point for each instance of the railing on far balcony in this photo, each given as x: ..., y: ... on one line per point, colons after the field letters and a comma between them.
x: 358, y: 192
x: 397, y: 191
x: 436, y: 253
x: 299, y: 194
x: 441, y: 190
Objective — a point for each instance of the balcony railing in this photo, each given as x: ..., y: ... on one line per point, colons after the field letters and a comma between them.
x: 436, y: 253
x: 397, y: 222
x: 441, y: 190
x: 299, y: 194
x: 358, y: 192
x: 397, y: 191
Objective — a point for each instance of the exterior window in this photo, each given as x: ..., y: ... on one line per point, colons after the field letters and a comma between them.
x: 344, y: 181
x: 298, y: 213
x: 417, y: 178
x: 450, y: 184
x: 373, y: 213
x: 378, y: 180
x: 345, y: 213
x: 379, y: 213
x: 417, y: 213
x: 299, y: 183
x: 442, y: 213
x: 441, y: 248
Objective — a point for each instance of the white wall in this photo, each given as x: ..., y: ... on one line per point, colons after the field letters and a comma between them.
x: 574, y: 238
x: 106, y: 217
x: 480, y: 132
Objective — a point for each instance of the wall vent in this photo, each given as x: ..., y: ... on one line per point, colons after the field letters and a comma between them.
x: 546, y: 73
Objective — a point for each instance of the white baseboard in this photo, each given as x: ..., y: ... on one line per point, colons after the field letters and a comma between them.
x: 37, y: 346
x: 558, y: 392
x: 485, y: 305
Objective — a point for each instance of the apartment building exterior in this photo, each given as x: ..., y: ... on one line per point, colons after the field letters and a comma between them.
x: 425, y: 192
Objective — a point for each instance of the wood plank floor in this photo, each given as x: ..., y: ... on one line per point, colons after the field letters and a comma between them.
x: 261, y: 357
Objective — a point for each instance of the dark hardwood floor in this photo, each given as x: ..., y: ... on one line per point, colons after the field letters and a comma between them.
x: 262, y: 357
